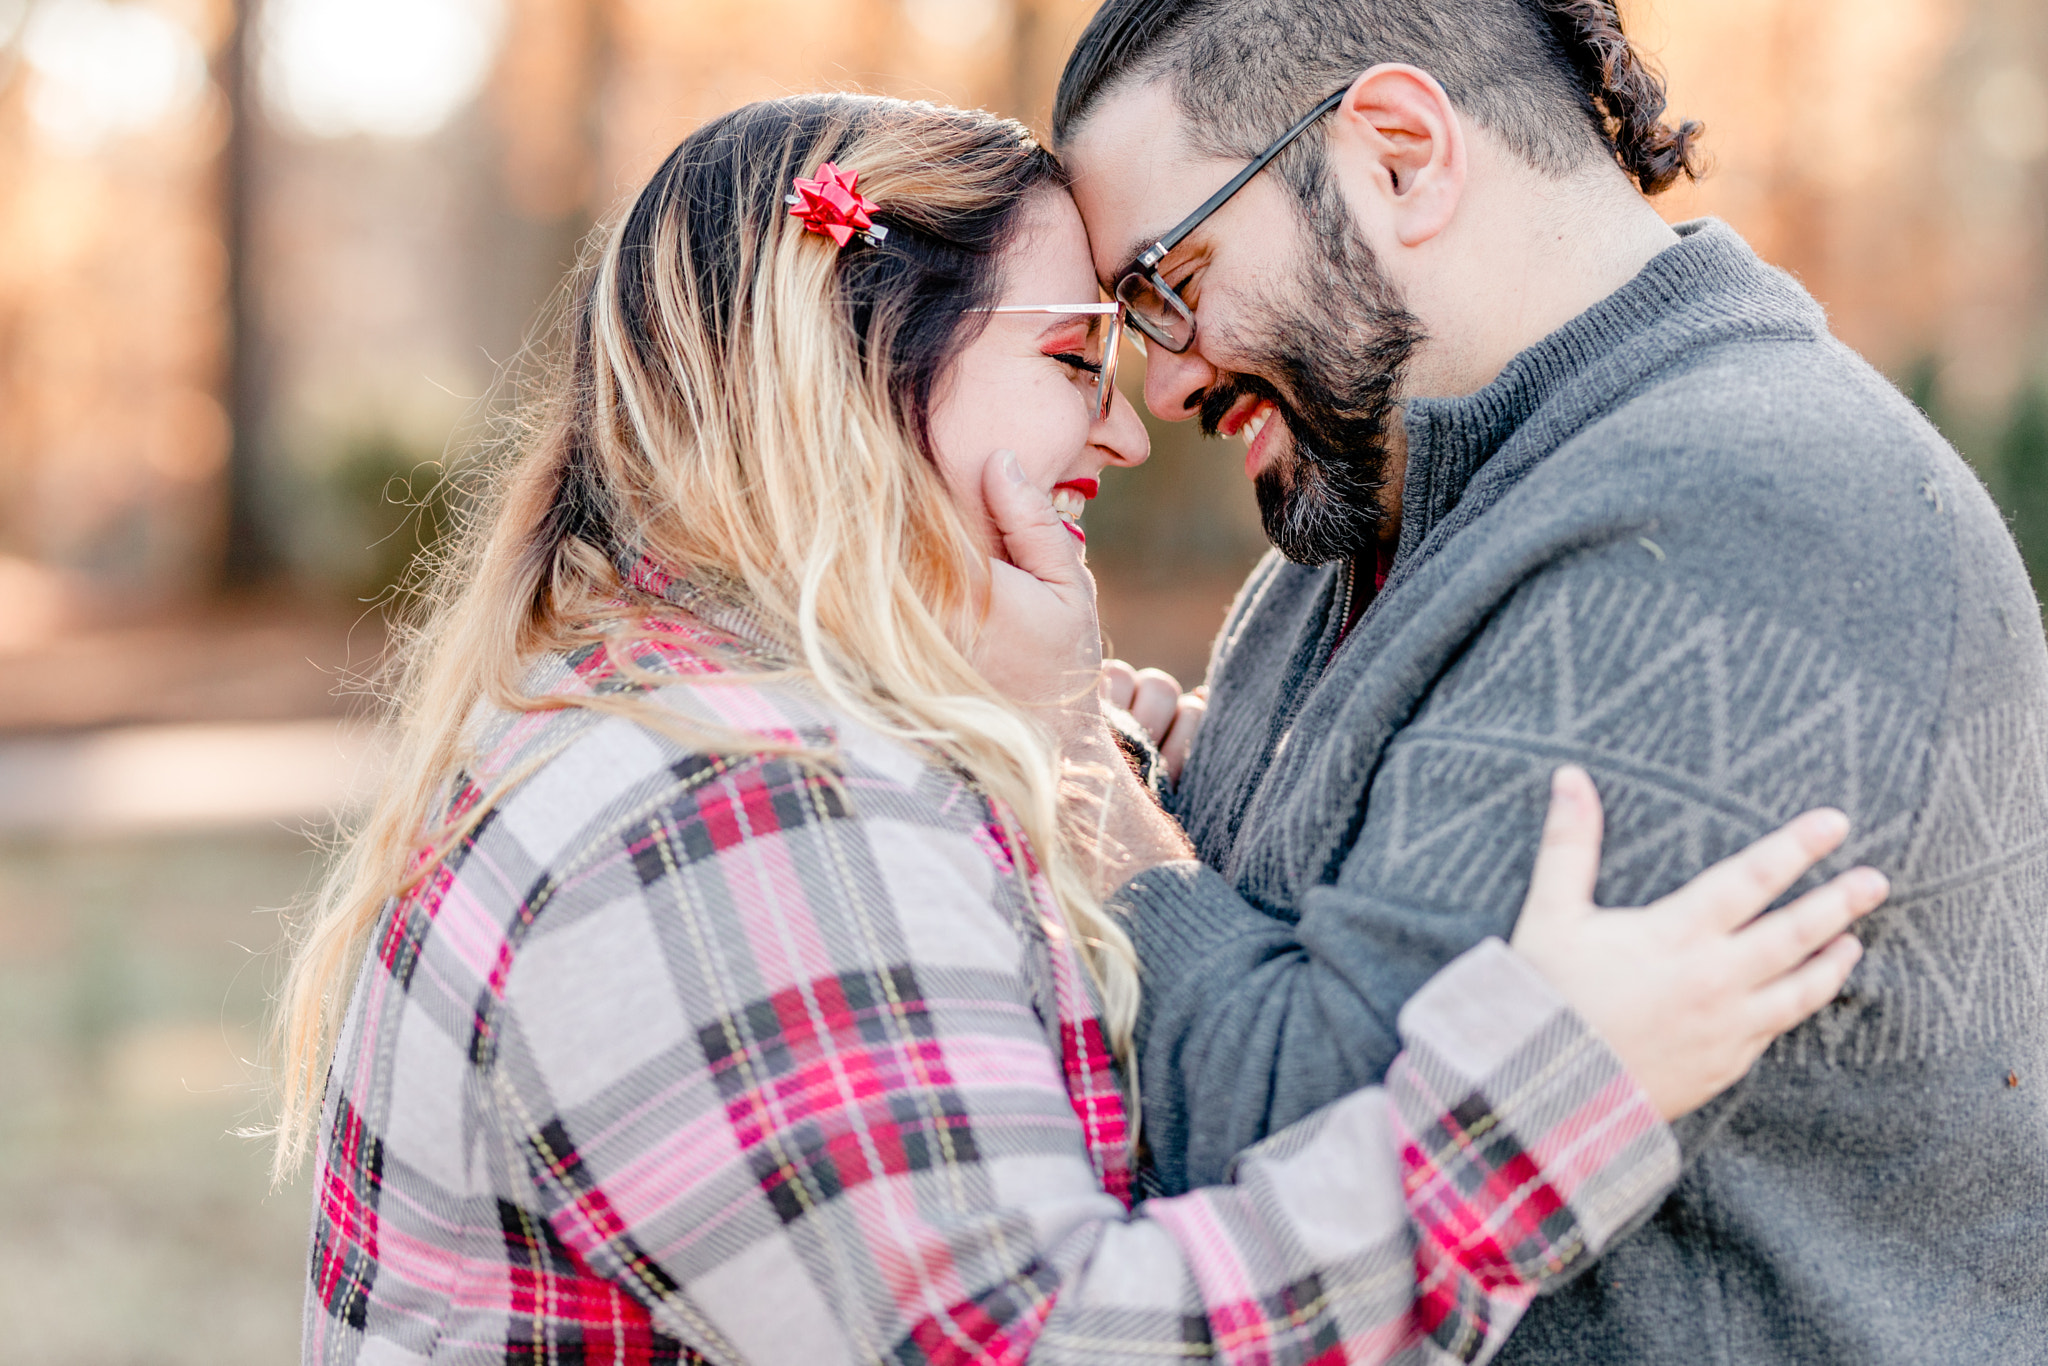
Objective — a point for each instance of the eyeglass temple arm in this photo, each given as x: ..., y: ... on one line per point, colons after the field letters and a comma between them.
x: 1103, y: 309
x: 1158, y: 250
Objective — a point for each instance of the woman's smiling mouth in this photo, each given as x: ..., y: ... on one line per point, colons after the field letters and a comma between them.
x: 1069, y: 499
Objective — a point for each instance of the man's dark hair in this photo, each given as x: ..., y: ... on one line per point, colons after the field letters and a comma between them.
x: 1557, y: 80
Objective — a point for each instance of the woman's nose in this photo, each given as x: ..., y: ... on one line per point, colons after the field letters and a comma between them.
x: 1121, y: 435
x: 1174, y: 384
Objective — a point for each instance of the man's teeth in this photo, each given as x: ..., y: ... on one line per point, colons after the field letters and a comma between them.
x: 1258, y: 421
x: 1069, y: 503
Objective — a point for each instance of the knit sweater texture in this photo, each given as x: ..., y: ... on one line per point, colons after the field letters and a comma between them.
x: 1694, y: 543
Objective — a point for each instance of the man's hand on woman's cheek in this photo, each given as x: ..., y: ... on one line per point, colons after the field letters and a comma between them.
x: 1154, y: 699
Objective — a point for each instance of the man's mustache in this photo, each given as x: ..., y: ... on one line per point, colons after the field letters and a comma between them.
x: 1219, y: 398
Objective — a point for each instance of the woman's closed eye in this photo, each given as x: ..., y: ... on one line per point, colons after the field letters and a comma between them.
x: 1078, y: 362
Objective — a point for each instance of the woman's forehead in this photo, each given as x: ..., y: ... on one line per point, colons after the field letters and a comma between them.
x: 1048, y: 258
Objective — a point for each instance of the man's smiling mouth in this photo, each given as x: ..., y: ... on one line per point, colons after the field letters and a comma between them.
x: 1252, y: 417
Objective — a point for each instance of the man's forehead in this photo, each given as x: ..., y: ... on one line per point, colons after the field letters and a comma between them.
x: 1134, y: 173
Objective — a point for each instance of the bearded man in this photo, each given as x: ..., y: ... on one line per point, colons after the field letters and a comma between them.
x: 1550, y: 480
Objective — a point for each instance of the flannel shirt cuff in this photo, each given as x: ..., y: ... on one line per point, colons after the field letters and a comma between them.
x: 1526, y: 1147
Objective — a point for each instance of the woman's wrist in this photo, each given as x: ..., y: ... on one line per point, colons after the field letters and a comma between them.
x: 1473, y: 1038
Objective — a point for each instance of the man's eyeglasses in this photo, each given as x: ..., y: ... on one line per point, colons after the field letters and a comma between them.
x: 1102, y: 365
x: 1155, y: 309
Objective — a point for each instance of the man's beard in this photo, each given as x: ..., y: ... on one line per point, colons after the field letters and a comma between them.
x: 1336, y: 355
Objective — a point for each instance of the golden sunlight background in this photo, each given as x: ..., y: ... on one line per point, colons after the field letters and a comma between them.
x: 261, y: 268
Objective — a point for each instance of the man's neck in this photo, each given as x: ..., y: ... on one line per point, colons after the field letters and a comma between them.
x: 1536, y: 253
x: 1529, y: 254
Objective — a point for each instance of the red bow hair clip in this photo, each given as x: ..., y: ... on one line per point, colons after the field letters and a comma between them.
x: 832, y: 207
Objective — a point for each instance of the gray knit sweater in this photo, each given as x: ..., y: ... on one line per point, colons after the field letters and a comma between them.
x: 1694, y: 543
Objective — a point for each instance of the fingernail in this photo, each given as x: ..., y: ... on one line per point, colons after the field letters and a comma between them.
x: 1826, y: 823
x: 1012, y: 470
x: 1564, y: 781
x: 1870, y: 885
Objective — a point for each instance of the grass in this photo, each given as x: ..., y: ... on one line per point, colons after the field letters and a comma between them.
x: 134, y: 1227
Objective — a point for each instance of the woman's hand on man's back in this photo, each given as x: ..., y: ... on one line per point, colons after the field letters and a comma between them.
x: 1691, y: 989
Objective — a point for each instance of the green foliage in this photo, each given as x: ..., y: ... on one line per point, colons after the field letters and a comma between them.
x: 2009, y: 451
x: 1922, y: 384
x: 2023, y: 469
x: 395, y: 505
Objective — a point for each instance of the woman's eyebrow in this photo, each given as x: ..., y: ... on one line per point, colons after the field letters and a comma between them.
x: 1061, y: 321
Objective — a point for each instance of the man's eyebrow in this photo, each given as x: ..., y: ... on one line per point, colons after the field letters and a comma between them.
x: 1137, y: 251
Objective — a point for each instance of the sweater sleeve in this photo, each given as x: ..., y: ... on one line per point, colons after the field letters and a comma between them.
x: 1703, y: 733
x: 839, y: 1130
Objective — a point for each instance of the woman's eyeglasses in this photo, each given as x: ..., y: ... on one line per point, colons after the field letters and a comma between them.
x: 1111, y: 335
x: 1155, y: 308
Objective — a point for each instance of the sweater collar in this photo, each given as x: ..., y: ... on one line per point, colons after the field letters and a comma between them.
x: 1707, y: 287
x: 715, y: 599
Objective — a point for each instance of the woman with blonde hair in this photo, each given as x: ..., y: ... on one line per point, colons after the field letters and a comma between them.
x: 724, y: 973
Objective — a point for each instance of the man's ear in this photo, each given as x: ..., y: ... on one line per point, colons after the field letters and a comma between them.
x: 1398, y: 137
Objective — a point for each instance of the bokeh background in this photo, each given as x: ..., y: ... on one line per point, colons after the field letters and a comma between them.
x: 262, y: 267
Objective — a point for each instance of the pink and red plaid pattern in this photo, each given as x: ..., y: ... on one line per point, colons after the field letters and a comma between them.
x: 770, y: 1059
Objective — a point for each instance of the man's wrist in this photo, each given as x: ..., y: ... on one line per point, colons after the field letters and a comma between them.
x: 1138, y: 750
x: 1136, y: 833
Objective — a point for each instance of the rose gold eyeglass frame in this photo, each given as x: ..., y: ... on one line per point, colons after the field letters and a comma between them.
x: 1112, y: 341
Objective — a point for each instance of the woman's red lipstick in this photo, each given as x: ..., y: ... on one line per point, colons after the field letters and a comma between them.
x: 1087, y: 488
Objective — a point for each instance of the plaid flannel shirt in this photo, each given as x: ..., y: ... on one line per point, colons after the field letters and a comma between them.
x: 682, y: 1057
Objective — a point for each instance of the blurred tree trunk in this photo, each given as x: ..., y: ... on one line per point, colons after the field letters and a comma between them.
x: 548, y: 105
x: 1041, y: 33
x: 249, y: 554
x: 1026, y: 79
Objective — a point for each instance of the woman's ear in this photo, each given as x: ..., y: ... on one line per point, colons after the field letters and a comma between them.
x: 1398, y: 143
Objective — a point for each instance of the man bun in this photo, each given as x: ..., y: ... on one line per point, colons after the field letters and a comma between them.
x: 1627, y: 92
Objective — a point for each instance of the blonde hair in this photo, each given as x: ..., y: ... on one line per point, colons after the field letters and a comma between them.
x: 735, y: 399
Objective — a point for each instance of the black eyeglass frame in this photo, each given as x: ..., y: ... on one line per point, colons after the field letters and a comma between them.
x: 1146, y: 269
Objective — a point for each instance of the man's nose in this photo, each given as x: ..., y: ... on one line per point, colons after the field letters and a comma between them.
x: 1174, y: 384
